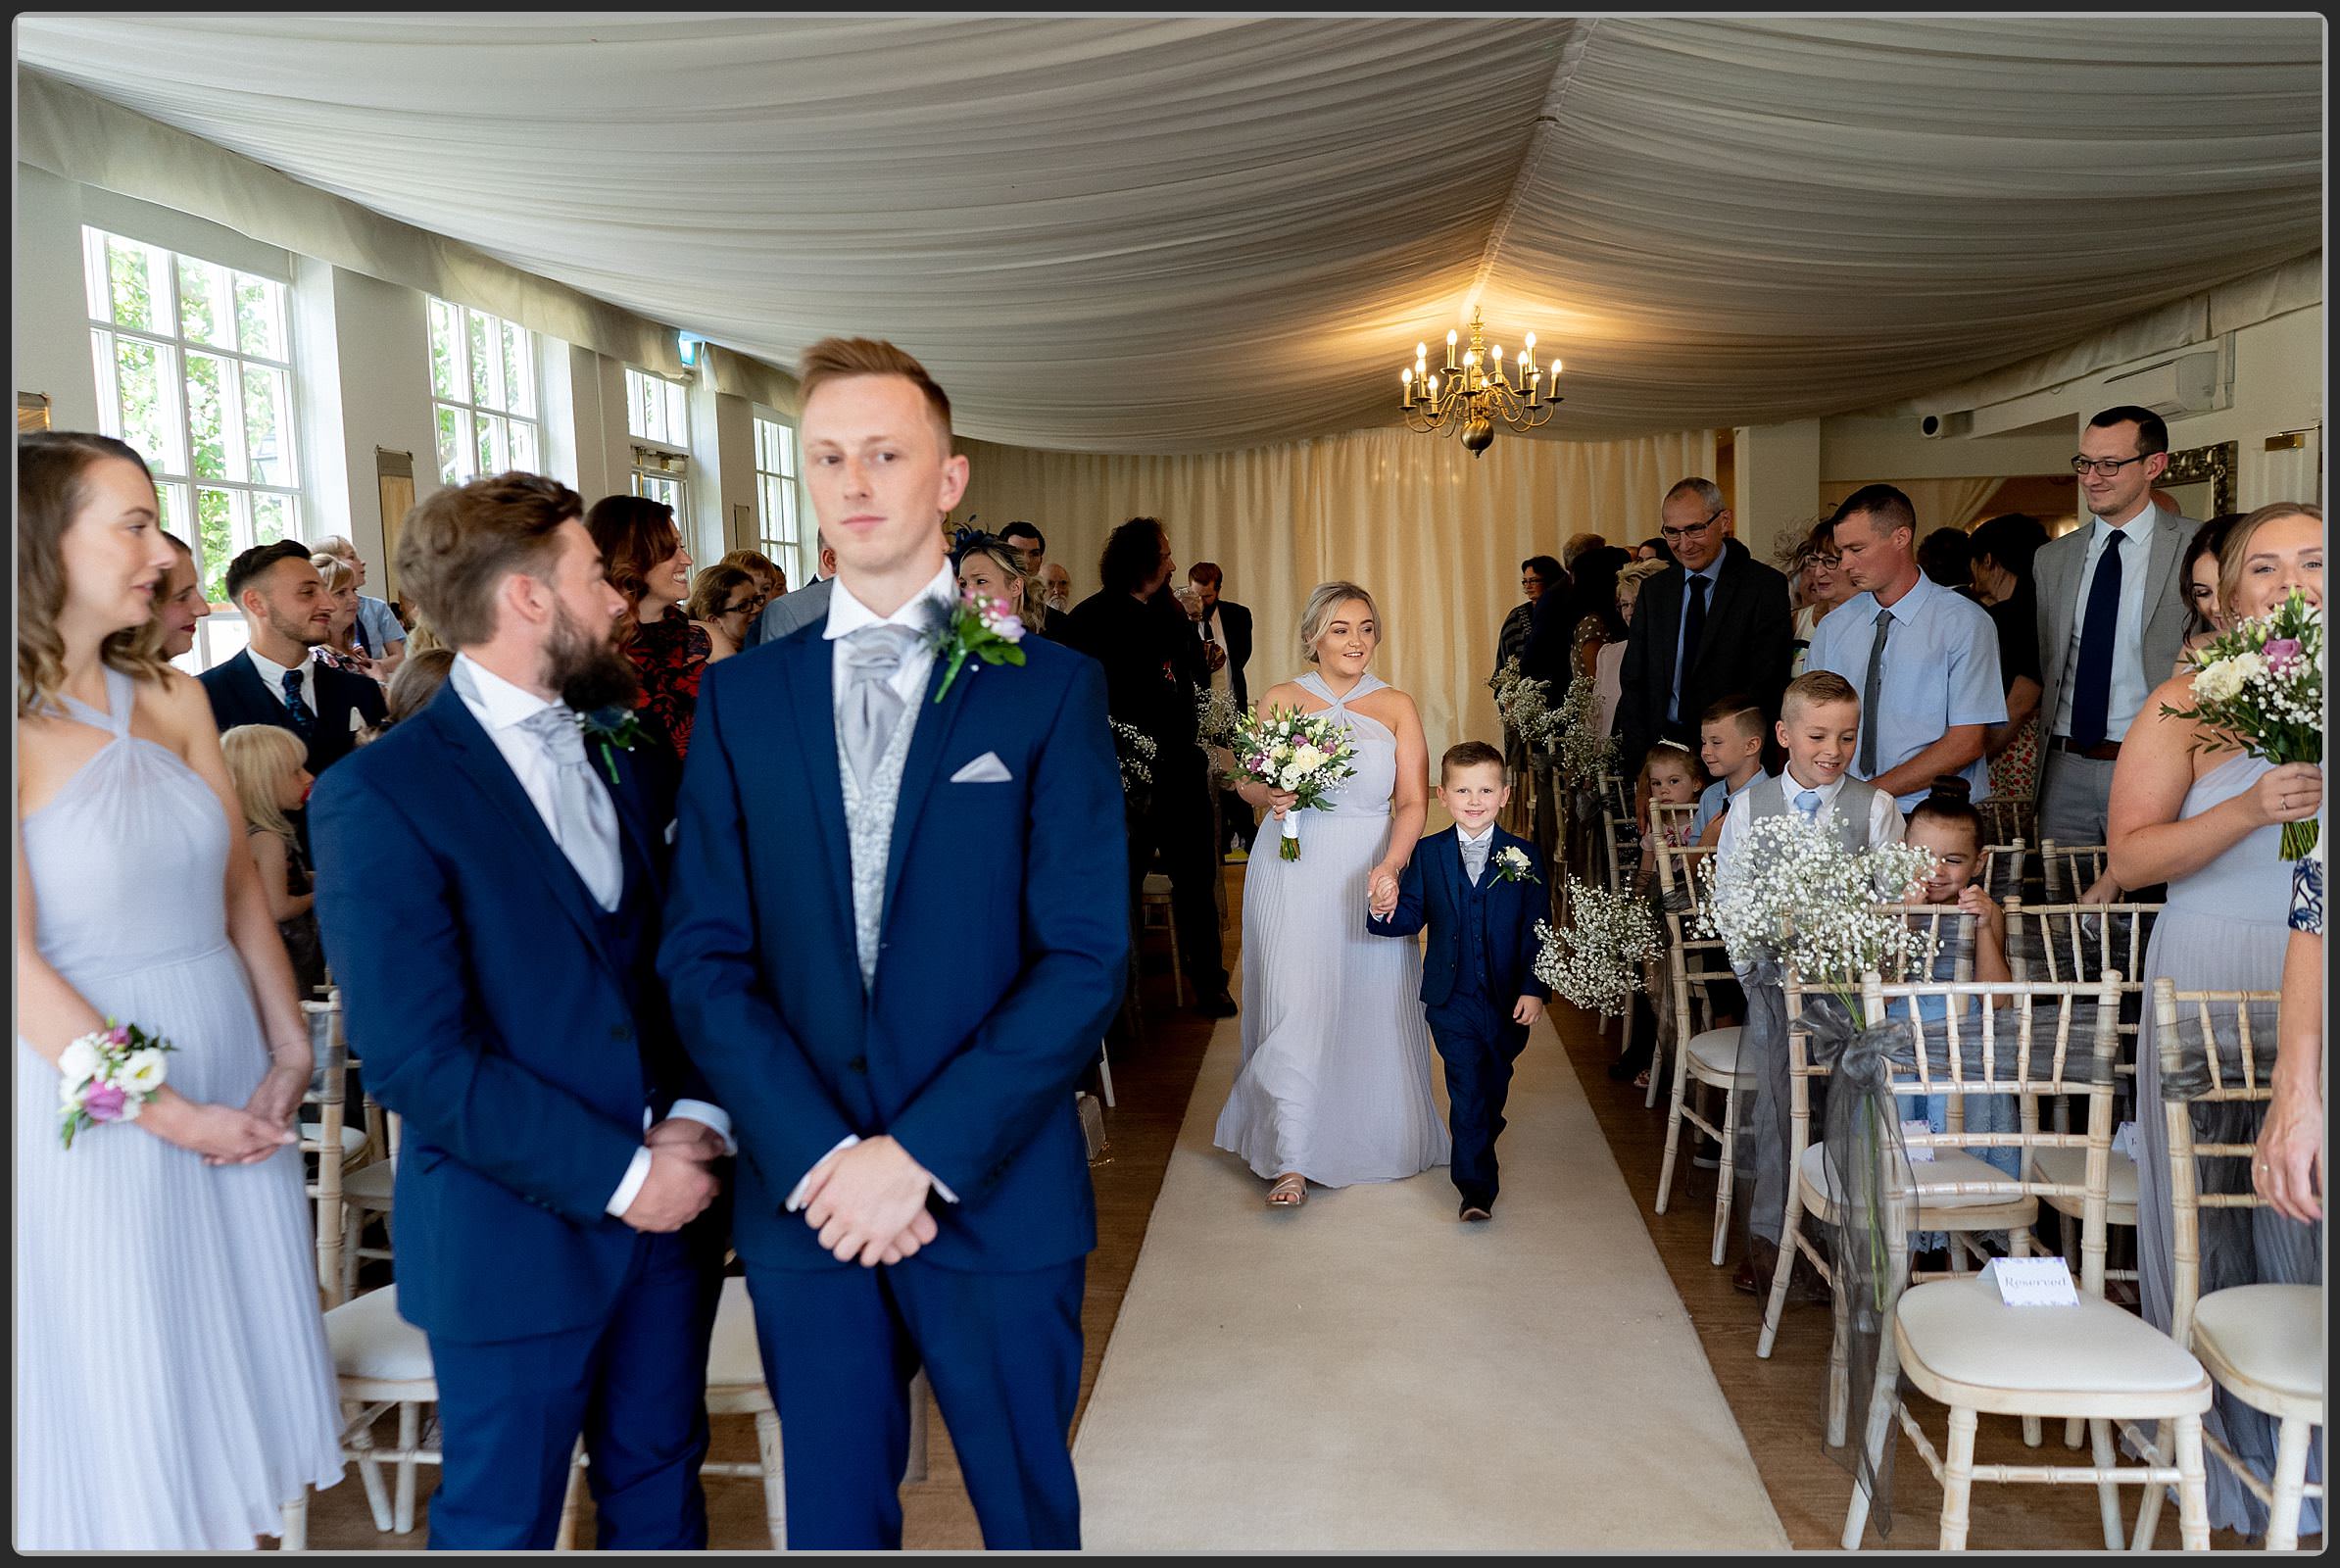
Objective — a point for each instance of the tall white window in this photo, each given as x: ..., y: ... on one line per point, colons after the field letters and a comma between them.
x: 194, y: 369
x: 483, y: 390
x: 777, y: 535
x: 657, y: 416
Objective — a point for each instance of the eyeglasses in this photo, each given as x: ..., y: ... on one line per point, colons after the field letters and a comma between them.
x: 1832, y: 562
x: 744, y: 606
x: 2107, y: 467
x: 1695, y: 530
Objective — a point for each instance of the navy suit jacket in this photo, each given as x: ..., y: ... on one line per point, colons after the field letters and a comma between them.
x: 241, y: 697
x: 1430, y: 892
x: 482, y: 996
x: 1002, y: 953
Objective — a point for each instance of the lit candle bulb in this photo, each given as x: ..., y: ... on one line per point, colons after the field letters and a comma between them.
x: 1405, y: 381
x: 1451, y: 339
x: 1530, y: 356
x: 1555, y: 369
x: 1433, y: 390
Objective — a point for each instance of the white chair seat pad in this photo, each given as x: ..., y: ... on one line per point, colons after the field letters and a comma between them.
x: 1947, y: 1166
x: 1958, y: 1331
x: 369, y: 1340
x: 2269, y: 1335
x: 733, y: 1359
x: 2069, y: 1167
x: 1714, y: 1053
x: 369, y: 1185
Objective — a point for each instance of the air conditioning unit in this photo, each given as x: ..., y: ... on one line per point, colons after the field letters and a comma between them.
x: 2173, y: 388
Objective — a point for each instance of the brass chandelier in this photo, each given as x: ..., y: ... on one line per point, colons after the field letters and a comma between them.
x: 1473, y: 391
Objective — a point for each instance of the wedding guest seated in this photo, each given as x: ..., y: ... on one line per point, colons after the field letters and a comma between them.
x: 381, y: 635
x: 1480, y: 892
x: 267, y: 764
x: 771, y: 579
x: 416, y: 682
x: 1670, y: 777
x: 341, y: 648
x: 1947, y: 824
x: 725, y: 599
x: 180, y: 602
x: 648, y: 566
x: 1730, y: 741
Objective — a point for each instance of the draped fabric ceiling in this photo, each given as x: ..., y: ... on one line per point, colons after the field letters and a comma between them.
x: 1194, y: 234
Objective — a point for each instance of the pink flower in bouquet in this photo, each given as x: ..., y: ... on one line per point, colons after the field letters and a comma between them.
x: 104, y: 1102
x: 2280, y: 653
x: 120, y: 1034
x: 1000, y: 617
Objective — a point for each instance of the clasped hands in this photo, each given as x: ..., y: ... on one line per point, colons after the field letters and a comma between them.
x: 679, y: 1185
x: 869, y: 1202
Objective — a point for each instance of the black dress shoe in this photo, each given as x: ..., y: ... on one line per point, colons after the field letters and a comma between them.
x: 1221, y: 1006
x: 1474, y: 1210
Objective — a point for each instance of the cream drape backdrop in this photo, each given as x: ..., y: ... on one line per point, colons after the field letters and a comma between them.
x: 1435, y: 534
x: 1940, y: 503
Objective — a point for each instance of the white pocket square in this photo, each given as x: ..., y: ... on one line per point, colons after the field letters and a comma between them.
x: 985, y: 770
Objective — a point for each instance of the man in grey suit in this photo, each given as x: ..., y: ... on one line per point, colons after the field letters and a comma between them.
x: 2109, y: 617
x: 802, y: 608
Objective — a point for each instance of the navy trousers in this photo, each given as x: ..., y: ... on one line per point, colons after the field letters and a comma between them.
x: 509, y: 1413
x: 1479, y: 1043
x: 1003, y: 1355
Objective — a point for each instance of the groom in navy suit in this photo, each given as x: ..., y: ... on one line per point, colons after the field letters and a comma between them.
x: 489, y: 878
x: 1479, y: 891
x: 899, y: 929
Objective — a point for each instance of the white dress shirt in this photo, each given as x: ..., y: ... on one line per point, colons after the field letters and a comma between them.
x: 501, y: 709
x: 271, y: 675
x: 847, y: 616
x: 2129, y: 686
x: 1209, y: 630
x: 1885, y: 824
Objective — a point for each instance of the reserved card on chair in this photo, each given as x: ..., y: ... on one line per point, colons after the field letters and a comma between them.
x: 2124, y: 1139
x: 2034, y: 1281
x: 1919, y: 1153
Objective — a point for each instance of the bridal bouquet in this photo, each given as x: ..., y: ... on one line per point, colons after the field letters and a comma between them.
x: 1597, y: 961
x: 2263, y: 683
x: 109, y: 1076
x: 1305, y: 754
x: 1792, y: 892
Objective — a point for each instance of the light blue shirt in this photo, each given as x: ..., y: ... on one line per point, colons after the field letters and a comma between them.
x: 1716, y: 799
x: 379, y: 624
x: 2128, y: 687
x: 1941, y: 669
x: 1682, y: 630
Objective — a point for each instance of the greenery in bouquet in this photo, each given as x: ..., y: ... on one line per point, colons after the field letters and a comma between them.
x: 1595, y: 962
x: 2259, y: 689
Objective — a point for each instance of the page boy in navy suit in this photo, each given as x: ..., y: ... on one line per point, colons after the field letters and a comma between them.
x: 1479, y: 891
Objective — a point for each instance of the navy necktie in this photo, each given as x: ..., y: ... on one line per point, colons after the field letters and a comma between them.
x: 2092, y: 686
x: 295, y: 707
x: 1693, y: 628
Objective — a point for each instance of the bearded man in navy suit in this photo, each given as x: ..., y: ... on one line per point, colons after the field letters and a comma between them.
x: 899, y: 928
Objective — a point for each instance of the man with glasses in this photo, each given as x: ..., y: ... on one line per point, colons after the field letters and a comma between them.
x: 2109, y: 617
x: 1713, y: 622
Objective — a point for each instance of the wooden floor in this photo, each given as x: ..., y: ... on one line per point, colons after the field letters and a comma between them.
x: 1153, y: 1079
x: 1778, y: 1401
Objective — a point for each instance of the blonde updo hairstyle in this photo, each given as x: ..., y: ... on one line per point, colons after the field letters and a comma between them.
x: 1630, y: 577
x: 1323, y: 600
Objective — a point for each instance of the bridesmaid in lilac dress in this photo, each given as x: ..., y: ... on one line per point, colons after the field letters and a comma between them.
x: 1335, y: 1086
x: 174, y: 1385
x: 2210, y: 824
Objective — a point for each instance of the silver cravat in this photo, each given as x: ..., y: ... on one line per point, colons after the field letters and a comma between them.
x: 584, y: 819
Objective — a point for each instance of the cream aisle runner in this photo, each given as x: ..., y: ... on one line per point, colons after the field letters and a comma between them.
x: 1369, y: 1373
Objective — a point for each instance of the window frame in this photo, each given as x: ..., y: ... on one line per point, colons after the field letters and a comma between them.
x: 178, y: 487
x: 659, y: 466
x: 470, y: 415
x: 787, y: 481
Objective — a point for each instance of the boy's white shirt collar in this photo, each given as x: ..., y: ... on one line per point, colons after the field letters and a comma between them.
x: 1478, y: 837
x: 1791, y: 786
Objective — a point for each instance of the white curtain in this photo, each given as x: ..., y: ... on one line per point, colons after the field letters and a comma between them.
x: 1940, y: 503
x: 1435, y: 534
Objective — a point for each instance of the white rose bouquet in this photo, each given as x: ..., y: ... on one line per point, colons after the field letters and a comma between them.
x: 109, y: 1076
x: 2263, y: 683
x: 1595, y: 962
x: 1303, y: 753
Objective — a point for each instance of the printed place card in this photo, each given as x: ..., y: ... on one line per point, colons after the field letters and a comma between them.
x: 2124, y: 1139
x: 1920, y: 1154
x: 2035, y: 1281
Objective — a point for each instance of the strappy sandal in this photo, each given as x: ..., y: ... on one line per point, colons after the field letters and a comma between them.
x: 1290, y: 1192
